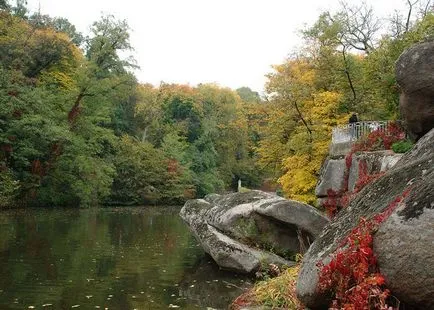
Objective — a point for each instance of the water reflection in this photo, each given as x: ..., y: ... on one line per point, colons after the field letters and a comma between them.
x: 208, y: 286
x: 119, y: 258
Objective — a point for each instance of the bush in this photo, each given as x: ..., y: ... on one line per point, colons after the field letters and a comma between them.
x: 402, y: 146
x: 8, y: 188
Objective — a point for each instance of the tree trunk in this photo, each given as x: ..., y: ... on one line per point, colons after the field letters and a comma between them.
x: 145, y: 134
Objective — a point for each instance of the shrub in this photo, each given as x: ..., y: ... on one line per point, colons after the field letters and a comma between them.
x: 402, y: 146
x: 8, y: 188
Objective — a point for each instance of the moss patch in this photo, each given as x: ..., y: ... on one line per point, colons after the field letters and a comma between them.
x: 269, y: 234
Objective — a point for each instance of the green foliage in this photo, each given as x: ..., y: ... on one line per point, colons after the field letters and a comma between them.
x: 4, y: 5
x: 248, y: 95
x: 8, y: 188
x: 139, y: 172
x: 68, y: 121
x: 77, y: 129
x: 339, y: 71
x: 204, y: 129
x: 56, y: 116
x: 109, y: 37
x: 402, y: 146
x: 59, y: 24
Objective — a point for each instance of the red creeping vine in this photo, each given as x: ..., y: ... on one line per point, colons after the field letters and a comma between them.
x: 353, y: 275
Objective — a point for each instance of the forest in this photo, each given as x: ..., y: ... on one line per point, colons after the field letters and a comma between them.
x: 78, y: 129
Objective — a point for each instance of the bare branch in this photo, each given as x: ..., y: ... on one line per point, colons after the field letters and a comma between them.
x: 347, y: 74
x: 410, y: 9
x: 360, y: 26
x: 309, y: 131
x: 424, y: 9
x: 396, y: 24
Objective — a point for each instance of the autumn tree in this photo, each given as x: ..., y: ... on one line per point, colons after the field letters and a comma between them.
x: 248, y: 95
x: 344, y: 66
x: 59, y: 24
x: 299, y: 126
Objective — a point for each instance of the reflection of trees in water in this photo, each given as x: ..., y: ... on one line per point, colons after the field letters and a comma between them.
x: 60, y: 257
x: 208, y: 286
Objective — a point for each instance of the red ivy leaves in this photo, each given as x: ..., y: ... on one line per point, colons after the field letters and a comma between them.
x: 380, y: 139
x: 381, y: 217
x: 353, y: 274
x: 331, y: 204
x: 364, y: 178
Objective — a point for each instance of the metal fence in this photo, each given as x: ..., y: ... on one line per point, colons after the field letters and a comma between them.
x: 354, y: 131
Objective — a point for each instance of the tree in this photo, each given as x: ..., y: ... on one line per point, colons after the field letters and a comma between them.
x: 360, y: 27
x: 4, y: 5
x: 20, y: 9
x: 9, y: 187
x: 401, y: 23
x: 58, y: 113
x: 59, y: 24
x: 140, y: 170
x: 248, y: 95
x: 299, y: 127
x: 109, y: 36
x: 149, y: 113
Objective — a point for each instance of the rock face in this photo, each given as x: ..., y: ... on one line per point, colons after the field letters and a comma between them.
x: 404, y: 242
x: 241, y: 231
x: 332, y: 177
x: 336, y: 176
x: 415, y: 75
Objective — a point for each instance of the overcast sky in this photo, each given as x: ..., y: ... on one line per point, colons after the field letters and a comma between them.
x: 230, y: 42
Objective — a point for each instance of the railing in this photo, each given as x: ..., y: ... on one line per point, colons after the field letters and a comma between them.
x: 354, y: 131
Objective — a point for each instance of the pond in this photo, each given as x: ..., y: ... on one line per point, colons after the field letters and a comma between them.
x: 107, y: 258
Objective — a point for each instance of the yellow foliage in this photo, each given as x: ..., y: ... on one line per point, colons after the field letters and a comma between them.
x: 274, y: 143
x: 278, y: 292
x: 62, y: 79
x: 49, y: 54
x: 300, y: 177
x: 300, y: 127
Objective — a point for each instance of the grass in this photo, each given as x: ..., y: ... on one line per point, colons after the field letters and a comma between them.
x: 275, y: 293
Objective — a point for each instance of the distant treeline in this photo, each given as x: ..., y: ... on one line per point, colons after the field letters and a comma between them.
x: 77, y: 129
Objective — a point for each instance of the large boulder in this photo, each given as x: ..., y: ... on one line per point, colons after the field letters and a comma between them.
x: 415, y: 76
x: 372, y: 163
x: 241, y: 231
x: 403, y: 243
x: 337, y: 176
x: 332, y: 177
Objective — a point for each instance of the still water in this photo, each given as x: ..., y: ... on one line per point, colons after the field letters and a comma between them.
x: 116, y: 258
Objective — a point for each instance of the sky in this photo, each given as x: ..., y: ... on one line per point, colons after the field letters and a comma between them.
x: 229, y: 42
